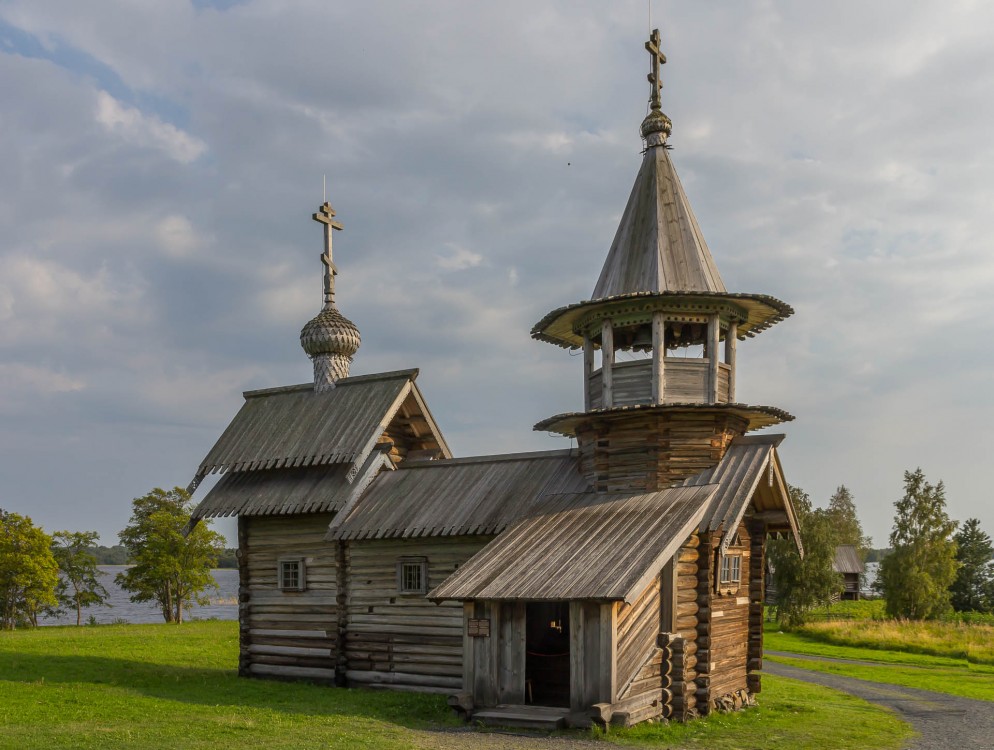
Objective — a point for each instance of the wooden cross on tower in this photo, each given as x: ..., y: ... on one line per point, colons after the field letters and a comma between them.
x: 326, y: 216
x: 658, y: 58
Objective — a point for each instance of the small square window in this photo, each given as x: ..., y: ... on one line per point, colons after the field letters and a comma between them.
x: 731, y: 571
x: 290, y: 574
x: 412, y: 575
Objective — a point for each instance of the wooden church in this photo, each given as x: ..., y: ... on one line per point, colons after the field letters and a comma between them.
x: 613, y: 583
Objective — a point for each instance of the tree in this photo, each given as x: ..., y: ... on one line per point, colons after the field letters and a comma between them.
x: 801, y: 583
x: 78, y: 585
x: 170, y: 568
x: 973, y: 589
x: 28, y: 573
x: 916, y: 576
x: 842, y: 510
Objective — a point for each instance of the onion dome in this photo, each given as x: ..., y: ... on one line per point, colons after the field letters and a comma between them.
x: 330, y: 332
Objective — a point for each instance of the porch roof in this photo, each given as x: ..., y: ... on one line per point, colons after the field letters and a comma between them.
x: 582, y: 546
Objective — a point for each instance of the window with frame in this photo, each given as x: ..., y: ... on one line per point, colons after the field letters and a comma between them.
x: 412, y: 575
x: 731, y: 571
x: 291, y: 574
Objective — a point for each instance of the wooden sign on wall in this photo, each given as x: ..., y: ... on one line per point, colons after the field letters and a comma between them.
x: 478, y: 628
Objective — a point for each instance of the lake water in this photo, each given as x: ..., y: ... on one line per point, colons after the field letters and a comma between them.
x: 223, y: 604
x: 870, y: 572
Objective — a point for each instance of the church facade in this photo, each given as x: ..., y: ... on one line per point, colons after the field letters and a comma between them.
x: 613, y: 583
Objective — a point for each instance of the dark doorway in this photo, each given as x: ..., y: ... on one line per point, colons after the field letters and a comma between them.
x: 547, y: 653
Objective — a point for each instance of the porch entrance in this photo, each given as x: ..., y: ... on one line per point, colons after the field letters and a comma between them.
x: 547, y: 653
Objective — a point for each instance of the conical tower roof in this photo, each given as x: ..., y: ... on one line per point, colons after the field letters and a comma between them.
x: 659, y: 259
x: 658, y: 246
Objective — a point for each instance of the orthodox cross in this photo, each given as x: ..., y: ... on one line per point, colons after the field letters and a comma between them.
x: 326, y: 216
x: 658, y: 58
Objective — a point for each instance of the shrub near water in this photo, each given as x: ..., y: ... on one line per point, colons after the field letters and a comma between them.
x: 975, y: 643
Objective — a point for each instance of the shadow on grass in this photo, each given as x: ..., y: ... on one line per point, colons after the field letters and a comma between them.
x: 221, y: 687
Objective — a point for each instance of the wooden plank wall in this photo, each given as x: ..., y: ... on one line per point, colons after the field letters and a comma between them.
x: 685, y: 383
x: 287, y: 634
x: 730, y: 629
x: 404, y: 641
x: 638, y: 635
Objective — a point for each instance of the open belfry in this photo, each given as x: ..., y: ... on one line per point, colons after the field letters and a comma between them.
x: 613, y: 583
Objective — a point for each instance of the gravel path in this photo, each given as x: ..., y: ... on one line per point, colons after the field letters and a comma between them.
x: 470, y: 739
x: 946, y: 722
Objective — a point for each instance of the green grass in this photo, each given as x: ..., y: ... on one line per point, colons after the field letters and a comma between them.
x: 175, y: 687
x: 791, y: 715
x: 161, y: 686
x: 944, y: 674
x: 972, y: 643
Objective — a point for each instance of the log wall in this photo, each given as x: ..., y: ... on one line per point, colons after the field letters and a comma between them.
x: 282, y: 633
x: 730, y: 615
x: 404, y: 641
x: 757, y: 593
x: 646, y: 452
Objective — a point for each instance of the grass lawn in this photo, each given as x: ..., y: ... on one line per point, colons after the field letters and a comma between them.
x: 970, y: 642
x: 944, y: 674
x: 168, y: 686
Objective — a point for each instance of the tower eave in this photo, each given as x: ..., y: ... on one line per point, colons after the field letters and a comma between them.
x: 757, y: 417
x: 757, y: 312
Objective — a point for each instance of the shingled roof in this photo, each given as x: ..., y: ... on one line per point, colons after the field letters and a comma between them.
x: 582, y: 546
x: 297, y: 426
x: 847, y: 560
x: 658, y: 246
x: 315, y: 489
x: 476, y: 495
x: 748, y: 474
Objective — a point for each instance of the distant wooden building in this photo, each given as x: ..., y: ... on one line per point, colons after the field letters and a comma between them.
x: 849, y: 565
x: 616, y: 582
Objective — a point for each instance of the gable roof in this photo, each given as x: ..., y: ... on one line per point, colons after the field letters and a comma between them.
x: 582, y: 546
x: 314, y: 489
x: 740, y: 478
x: 659, y: 246
x: 477, y: 495
x: 297, y: 426
x: 847, y: 560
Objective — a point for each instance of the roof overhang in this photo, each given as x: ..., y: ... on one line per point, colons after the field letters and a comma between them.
x: 757, y: 417
x: 582, y: 546
x: 754, y: 312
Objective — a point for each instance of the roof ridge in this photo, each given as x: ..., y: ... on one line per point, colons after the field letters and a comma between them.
x: 410, y: 374
x: 773, y: 438
x: 494, y: 458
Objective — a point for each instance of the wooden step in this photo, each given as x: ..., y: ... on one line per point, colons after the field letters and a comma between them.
x: 528, y: 717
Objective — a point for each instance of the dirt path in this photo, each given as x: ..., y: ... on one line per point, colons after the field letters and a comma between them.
x: 945, y: 722
x: 470, y: 739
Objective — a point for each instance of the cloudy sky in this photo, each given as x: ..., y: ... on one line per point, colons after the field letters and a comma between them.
x: 160, y: 162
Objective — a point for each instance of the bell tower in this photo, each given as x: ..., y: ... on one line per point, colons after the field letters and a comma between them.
x: 659, y: 337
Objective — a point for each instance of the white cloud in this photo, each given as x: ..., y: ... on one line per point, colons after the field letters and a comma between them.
x: 177, y: 237
x: 147, y: 131
x: 18, y: 381
x: 458, y: 259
